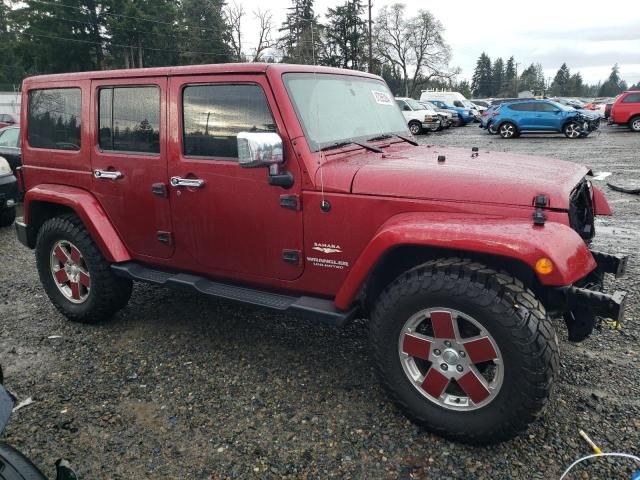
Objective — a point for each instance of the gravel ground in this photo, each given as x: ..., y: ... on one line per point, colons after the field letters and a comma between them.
x: 180, y: 386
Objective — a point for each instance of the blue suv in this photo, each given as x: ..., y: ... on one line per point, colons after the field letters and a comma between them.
x: 513, y: 118
x: 464, y: 114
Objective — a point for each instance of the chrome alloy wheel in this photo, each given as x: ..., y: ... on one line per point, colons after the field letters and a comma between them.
x: 635, y: 125
x: 70, y: 271
x: 451, y: 359
x: 573, y: 130
x: 507, y: 130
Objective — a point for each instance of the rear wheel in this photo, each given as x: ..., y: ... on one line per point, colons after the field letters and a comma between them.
x: 508, y: 130
x: 7, y: 216
x: 572, y: 130
x: 415, y: 128
x: 75, y: 275
x: 465, y: 351
x: 634, y: 123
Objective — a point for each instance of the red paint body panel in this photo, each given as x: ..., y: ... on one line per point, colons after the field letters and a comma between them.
x: 600, y: 204
x: 90, y: 212
x: 505, y: 237
x: 235, y: 229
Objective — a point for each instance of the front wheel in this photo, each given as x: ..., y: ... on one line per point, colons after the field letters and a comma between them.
x: 415, y: 128
x: 465, y: 351
x: 572, y: 130
x: 634, y: 124
x: 7, y: 216
x: 15, y: 466
x: 491, y: 128
x: 75, y: 275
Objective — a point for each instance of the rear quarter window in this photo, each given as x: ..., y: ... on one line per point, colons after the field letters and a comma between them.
x: 632, y: 98
x: 53, y: 119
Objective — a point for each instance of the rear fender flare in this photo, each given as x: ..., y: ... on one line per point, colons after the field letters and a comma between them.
x: 86, y: 206
x: 516, y: 239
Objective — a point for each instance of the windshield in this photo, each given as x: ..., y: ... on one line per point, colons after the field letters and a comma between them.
x: 336, y: 108
x: 414, y: 104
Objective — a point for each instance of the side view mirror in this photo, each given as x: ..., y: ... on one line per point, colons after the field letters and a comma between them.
x: 259, y: 149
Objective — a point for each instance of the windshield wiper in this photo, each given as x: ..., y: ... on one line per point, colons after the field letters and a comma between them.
x: 366, y: 146
x: 387, y: 135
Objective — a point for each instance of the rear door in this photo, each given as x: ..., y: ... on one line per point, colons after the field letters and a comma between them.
x: 234, y: 224
x: 129, y: 162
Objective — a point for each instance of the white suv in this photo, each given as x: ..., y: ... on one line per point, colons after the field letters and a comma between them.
x: 418, y: 117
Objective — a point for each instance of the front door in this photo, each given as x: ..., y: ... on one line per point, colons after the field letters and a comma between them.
x: 231, y: 223
x: 129, y: 162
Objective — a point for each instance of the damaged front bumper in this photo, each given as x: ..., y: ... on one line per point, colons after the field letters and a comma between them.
x: 583, y: 303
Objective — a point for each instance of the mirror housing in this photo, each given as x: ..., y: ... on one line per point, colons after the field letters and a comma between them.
x: 259, y: 149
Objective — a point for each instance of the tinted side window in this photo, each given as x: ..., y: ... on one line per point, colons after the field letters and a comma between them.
x: 632, y: 98
x: 54, y: 118
x: 545, y: 107
x: 520, y: 107
x: 214, y: 115
x: 10, y: 138
x: 129, y: 119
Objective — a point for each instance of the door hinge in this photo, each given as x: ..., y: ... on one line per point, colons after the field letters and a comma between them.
x: 291, y: 202
x: 291, y: 256
x: 165, y: 237
x: 159, y: 189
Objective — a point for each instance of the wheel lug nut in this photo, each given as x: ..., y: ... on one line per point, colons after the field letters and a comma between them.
x: 447, y: 343
x: 459, y: 368
x: 444, y: 366
x: 462, y: 354
x: 436, y: 352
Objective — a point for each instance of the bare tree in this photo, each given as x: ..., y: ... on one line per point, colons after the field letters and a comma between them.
x: 234, y: 13
x: 265, y: 39
x: 414, y: 45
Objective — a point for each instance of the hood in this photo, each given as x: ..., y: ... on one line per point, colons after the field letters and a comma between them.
x: 490, y: 177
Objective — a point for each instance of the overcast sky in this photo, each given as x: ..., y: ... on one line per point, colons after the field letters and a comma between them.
x: 590, y: 36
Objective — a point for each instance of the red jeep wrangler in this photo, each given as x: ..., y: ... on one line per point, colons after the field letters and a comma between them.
x: 300, y: 189
x: 626, y: 110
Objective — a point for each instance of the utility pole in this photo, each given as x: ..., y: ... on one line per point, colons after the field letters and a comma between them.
x: 516, y: 92
x: 370, y: 40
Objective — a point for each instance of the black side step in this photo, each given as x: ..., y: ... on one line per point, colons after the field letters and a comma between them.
x: 310, y: 307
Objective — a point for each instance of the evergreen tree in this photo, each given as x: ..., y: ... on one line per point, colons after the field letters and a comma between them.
x: 497, y: 77
x: 346, y: 36
x: 560, y: 84
x: 205, y: 35
x: 614, y: 84
x: 301, y: 34
x: 510, y: 78
x: 481, y: 81
x: 532, y: 79
x: 575, y: 86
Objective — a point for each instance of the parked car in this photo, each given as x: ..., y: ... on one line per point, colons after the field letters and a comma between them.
x: 10, y: 146
x: 482, y: 103
x: 626, y: 110
x: 452, y: 98
x: 418, y: 117
x: 597, y: 106
x: 513, y: 118
x: 447, y: 117
x: 7, y: 119
x: 464, y: 114
x: 8, y: 194
x: 305, y: 193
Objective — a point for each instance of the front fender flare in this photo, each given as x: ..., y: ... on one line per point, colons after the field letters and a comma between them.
x: 86, y: 206
x: 512, y: 238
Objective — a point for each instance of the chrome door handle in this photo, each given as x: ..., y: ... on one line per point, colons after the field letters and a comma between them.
x: 107, y: 174
x: 186, y: 182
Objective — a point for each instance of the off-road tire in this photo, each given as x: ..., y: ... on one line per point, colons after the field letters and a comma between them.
x: 634, y: 124
x: 15, y: 466
x: 507, y: 310
x: 108, y: 294
x: 7, y: 216
x: 415, y: 128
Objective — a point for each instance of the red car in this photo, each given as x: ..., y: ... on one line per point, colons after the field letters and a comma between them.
x: 626, y: 110
x: 300, y: 189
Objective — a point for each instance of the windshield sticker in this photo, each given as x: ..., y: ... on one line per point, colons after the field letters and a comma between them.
x: 382, y: 97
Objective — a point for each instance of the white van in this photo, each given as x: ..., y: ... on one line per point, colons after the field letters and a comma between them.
x: 452, y: 98
x: 418, y: 116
